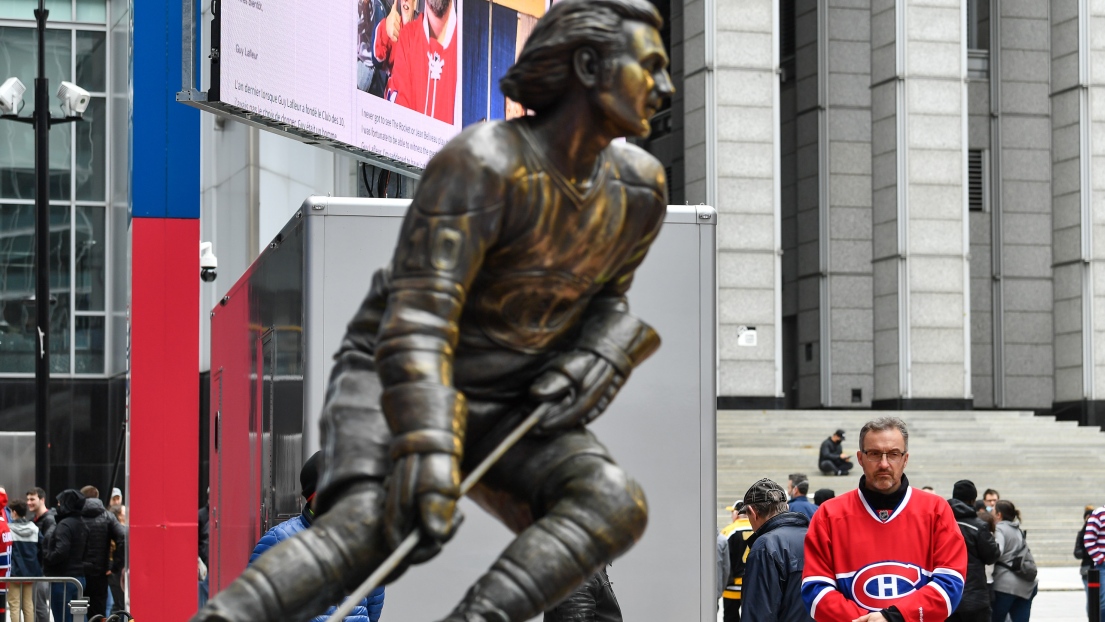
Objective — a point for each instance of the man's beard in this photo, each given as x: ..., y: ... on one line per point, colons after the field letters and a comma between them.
x: 438, y: 6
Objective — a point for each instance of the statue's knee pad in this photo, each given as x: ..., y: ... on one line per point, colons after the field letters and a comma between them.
x: 600, y: 499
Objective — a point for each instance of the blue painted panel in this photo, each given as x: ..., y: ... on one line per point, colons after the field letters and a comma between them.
x: 165, y: 135
x: 504, y: 40
x: 475, y: 19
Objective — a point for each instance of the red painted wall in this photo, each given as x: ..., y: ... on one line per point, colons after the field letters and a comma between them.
x: 164, y: 422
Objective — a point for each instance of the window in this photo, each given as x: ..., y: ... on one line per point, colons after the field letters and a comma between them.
x: 978, y: 195
x: 76, y: 50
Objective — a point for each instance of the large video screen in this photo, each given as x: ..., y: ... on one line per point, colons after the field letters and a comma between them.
x: 397, y: 78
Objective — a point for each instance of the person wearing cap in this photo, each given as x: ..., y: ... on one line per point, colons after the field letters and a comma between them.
x: 369, y: 609
x: 982, y: 549
x: 772, y: 587
x: 884, y: 552
x: 116, y: 497
x: 737, y: 533
x: 833, y: 459
x: 798, y: 486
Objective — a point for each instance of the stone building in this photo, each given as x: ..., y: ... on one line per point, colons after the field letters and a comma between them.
x: 907, y: 198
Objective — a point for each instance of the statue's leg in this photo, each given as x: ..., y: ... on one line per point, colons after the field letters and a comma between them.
x: 302, y: 576
x: 588, y: 513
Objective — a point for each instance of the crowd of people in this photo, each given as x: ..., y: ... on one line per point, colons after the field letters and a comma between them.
x: 883, y: 552
x: 78, y: 538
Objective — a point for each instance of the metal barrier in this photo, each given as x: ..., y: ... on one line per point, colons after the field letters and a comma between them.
x: 78, y: 606
x: 122, y: 616
x: 1093, y: 594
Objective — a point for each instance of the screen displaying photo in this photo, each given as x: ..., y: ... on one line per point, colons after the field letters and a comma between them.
x: 398, y: 78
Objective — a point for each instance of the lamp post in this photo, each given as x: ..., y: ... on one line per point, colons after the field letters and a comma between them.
x: 74, y: 101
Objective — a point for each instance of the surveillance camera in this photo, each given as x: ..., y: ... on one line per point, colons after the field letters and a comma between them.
x: 208, y: 262
x: 74, y: 99
x: 11, y: 96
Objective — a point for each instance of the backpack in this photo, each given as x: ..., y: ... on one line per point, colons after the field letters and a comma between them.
x: 1023, y: 564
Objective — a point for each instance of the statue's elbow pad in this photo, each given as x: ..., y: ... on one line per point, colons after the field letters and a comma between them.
x: 620, y: 338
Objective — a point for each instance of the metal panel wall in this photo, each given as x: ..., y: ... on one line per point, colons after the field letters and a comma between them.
x: 661, y: 428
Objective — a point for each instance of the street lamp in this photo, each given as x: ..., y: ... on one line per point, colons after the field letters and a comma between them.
x: 74, y: 101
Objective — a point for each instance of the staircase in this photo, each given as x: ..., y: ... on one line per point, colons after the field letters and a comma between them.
x: 1049, y: 469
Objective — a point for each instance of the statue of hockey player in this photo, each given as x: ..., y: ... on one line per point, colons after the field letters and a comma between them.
x: 507, y: 289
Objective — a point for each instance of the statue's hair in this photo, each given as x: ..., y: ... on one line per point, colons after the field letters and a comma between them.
x: 544, y: 68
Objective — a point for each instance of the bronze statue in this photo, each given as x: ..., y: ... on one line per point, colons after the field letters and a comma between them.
x: 507, y: 289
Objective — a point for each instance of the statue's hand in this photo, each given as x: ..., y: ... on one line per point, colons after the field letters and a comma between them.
x: 422, y: 494
x: 582, y: 382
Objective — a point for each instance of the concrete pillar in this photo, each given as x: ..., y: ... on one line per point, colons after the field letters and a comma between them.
x: 921, y: 270
x: 827, y: 205
x: 731, y: 149
x: 1078, y: 200
x: 1020, y: 131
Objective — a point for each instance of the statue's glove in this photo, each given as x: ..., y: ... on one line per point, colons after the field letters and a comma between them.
x: 428, y: 421
x: 586, y: 379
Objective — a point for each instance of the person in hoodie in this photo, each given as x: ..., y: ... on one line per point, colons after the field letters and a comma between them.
x: 25, y: 536
x: 772, y: 587
x: 368, y: 610
x: 982, y: 549
x: 63, y: 555
x: 103, y: 531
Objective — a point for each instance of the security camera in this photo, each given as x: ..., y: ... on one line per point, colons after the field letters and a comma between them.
x: 208, y: 262
x: 11, y: 96
x: 74, y: 99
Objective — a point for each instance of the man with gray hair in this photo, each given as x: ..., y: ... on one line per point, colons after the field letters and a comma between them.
x: 883, y: 552
x: 772, y: 588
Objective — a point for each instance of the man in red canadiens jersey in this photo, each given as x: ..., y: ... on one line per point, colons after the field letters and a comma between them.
x: 883, y: 552
x: 424, y: 62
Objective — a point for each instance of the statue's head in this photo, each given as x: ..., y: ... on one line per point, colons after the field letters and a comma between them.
x: 609, y: 48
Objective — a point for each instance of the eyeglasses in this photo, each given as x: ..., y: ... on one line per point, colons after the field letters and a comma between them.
x: 893, y: 457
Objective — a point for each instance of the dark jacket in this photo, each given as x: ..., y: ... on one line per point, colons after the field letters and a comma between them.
x: 103, y: 529
x: 831, y: 451
x: 1080, y: 552
x: 802, y: 505
x: 46, y: 523
x: 368, y: 610
x: 593, y: 601
x: 63, y: 555
x: 982, y: 549
x: 204, y: 532
x: 25, y: 539
x: 773, y: 574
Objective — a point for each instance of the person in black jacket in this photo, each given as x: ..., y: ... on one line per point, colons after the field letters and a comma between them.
x: 772, y: 588
x: 63, y: 555
x: 1080, y: 554
x: 45, y: 518
x: 593, y: 601
x: 982, y: 549
x: 833, y: 460
x: 103, y: 530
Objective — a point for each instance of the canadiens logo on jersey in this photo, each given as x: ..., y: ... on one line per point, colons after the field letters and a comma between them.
x: 876, y: 586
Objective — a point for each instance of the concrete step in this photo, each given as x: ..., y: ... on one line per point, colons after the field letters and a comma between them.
x: 1049, y: 469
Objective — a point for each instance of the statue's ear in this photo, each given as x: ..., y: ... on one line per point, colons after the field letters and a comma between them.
x: 585, y: 62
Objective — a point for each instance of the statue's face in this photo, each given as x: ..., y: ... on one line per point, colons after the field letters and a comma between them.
x: 638, y: 81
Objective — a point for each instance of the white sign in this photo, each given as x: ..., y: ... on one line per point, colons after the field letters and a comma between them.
x: 746, y: 336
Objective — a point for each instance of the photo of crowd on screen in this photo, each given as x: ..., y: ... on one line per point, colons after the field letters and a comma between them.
x: 409, y: 52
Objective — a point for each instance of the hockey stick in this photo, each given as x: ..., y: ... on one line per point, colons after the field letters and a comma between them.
x: 407, y: 545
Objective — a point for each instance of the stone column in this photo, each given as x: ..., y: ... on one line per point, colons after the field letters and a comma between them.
x: 732, y: 145
x: 1078, y: 208
x: 1020, y: 134
x: 921, y: 271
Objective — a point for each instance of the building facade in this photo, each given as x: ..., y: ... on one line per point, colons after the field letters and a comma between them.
x: 908, y: 201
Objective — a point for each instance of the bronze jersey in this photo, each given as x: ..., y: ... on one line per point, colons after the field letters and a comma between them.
x: 497, y: 266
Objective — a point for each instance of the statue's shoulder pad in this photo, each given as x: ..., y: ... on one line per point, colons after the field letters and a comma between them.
x: 637, y: 167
